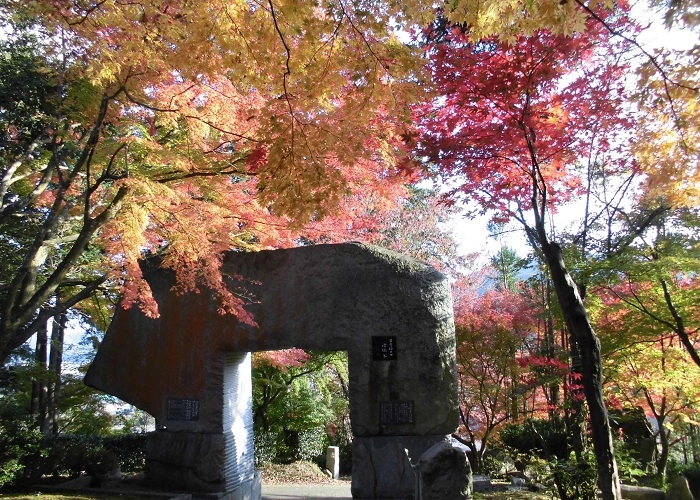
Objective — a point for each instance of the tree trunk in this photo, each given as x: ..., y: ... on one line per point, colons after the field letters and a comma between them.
x: 55, y: 364
x: 662, y: 459
x: 574, y: 412
x: 39, y: 384
x: 591, y: 368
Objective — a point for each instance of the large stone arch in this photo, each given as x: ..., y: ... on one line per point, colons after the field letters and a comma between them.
x: 190, y: 368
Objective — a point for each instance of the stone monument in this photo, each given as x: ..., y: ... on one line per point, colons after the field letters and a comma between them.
x: 190, y: 368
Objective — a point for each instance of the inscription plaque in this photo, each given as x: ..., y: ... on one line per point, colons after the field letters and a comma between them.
x: 383, y: 348
x: 183, y: 409
x: 396, y: 412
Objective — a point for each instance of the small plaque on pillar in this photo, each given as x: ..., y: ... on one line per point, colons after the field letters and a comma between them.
x: 384, y: 348
x: 183, y: 409
x: 397, y: 412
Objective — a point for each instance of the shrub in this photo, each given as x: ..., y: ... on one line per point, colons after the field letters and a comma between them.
x: 574, y: 479
x: 536, y: 437
x: 691, y: 472
x: 101, y: 462
x: 494, y: 465
x: 312, y: 443
x: 542, y: 445
x: 19, y: 445
x: 72, y: 455
x: 265, y: 447
x: 130, y: 449
x: 629, y: 467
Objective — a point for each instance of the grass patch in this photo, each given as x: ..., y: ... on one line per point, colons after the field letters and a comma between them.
x: 511, y: 495
x: 76, y: 496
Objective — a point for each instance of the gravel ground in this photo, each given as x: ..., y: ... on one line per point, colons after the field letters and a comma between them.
x: 308, y: 473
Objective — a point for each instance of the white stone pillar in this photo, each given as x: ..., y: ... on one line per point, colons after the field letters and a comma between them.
x: 333, y: 461
x: 242, y: 482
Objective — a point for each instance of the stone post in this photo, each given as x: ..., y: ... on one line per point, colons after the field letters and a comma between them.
x: 333, y: 461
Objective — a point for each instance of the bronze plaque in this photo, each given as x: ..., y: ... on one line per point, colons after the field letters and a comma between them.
x: 183, y: 409
x: 397, y: 412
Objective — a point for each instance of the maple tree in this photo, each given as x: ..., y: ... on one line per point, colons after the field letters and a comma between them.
x: 645, y: 306
x: 160, y: 152
x: 666, y: 133
x: 508, y: 131
x: 246, y: 116
x: 657, y: 377
x: 420, y: 226
x: 491, y: 328
x: 652, y: 285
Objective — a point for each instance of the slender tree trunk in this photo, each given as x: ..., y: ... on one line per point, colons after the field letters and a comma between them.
x: 574, y: 416
x: 591, y: 368
x: 549, y: 350
x: 513, y: 397
x: 694, y: 442
x: 662, y: 459
x: 39, y: 384
x: 55, y: 365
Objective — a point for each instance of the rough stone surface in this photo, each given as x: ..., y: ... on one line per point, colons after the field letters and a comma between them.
x: 185, y: 460
x: 332, y: 297
x: 251, y: 490
x: 518, y: 478
x: 444, y: 473
x: 325, y: 297
x: 481, y: 482
x: 382, y: 466
x: 679, y: 489
x: 642, y: 493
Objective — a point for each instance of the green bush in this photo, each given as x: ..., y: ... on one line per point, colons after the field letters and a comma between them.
x: 493, y: 465
x: 265, y: 447
x: 130, y: 449
x: 312, y: 443
x: 629, y: 467
x: 101, y: 462
x: 19, y: 446
x: 574, y: 479
x: 72, y: 455
x: 691, y: 472
x: 536, y: 437
x: 542, y: 446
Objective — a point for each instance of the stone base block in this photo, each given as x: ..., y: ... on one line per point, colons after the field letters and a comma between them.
x: 190, y: 461
x: 251, y: 490
x: 380, y: 467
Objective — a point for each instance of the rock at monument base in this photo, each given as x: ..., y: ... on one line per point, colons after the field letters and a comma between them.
x: 444, y: 473
x: 380, y: 467
x: 679, y: 490
x: 481, y: 482
x: 185, y: 460
x: 518, y: 478
x: 641, y: 493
